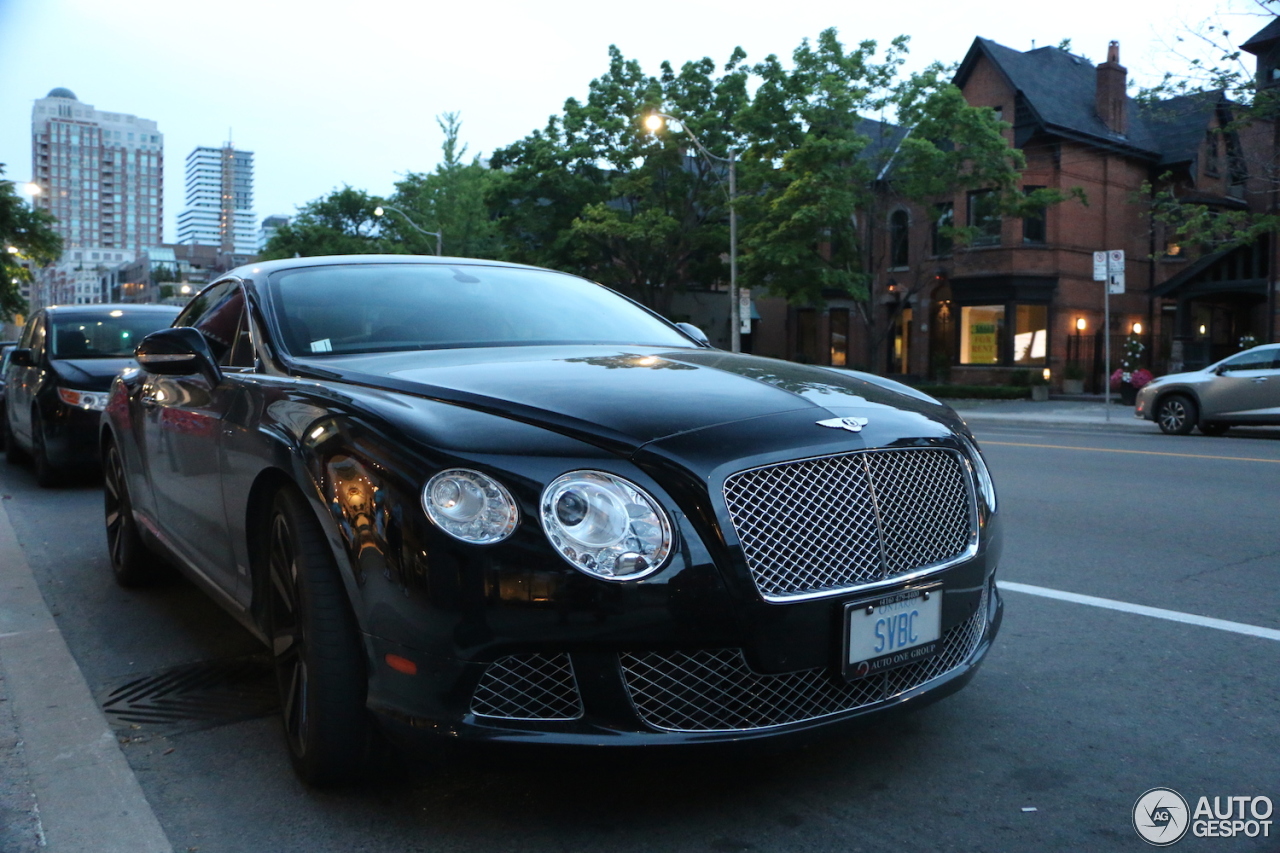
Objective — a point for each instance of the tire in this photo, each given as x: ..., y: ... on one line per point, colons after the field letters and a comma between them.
x: 316, y: 650
x: 132, y: 562
x: 1214, y: 428
x: 47, y: 474
x: 1176, y: 414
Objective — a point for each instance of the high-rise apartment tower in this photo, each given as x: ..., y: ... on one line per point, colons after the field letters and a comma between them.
x: 100, y: 173
x: 219, y: 209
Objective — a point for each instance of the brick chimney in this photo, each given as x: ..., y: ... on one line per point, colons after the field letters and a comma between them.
x: 1111, y: 99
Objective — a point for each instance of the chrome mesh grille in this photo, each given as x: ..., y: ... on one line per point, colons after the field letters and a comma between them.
x: 528, y: 687
x: 832, y: 523
x: 716, y: 690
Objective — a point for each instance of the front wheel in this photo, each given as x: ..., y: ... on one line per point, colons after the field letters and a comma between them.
x: 1176, y: 414
x: 132, y: 563
x: 315, y: 644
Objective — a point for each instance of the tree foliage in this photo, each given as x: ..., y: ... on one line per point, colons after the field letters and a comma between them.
x: 341, y: 223
x: 598, y: 193
x: 26, y: 235
x: 1214, y: 66
x: 450, y: 200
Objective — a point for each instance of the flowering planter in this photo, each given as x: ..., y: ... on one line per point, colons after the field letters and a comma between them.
x: 1128, y: 393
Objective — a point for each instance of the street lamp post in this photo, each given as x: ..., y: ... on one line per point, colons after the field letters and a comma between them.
x: 381, y: 210
x: 654, y: 122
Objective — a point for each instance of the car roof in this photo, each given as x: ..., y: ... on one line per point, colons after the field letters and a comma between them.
x: 268, y: 267
x: 107, y: 307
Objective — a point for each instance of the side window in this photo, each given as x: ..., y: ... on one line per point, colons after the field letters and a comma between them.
x: 25, y: 339
x: 217, y: 314
x: 37, y: 339
x: 1252, y: 360
x: 241, y: 353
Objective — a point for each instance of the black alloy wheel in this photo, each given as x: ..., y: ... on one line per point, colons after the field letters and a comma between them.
x: 1214, y: 428
x: 315, y: 644
x: 47, y: 475
x: 1176, y: 414
x: 132, y: 563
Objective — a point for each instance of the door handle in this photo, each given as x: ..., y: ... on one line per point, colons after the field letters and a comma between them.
x: 148, y: 401
x: 1257, y: 379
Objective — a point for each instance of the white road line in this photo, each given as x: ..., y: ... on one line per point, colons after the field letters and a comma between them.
x: 1143, y: 610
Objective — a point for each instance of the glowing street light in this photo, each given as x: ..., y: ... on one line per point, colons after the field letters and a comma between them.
x: 654, y: 122
x: 381, y: 210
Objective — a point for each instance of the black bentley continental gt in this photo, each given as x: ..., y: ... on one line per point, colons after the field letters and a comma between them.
x: 500, y: 503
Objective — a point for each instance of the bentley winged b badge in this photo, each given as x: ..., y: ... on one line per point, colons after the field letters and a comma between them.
x: 851, y: 424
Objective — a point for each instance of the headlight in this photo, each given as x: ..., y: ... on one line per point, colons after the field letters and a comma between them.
x: 94, y: 401
x: 605, y: 526
x: 985, y: 483
x: 470, y: 506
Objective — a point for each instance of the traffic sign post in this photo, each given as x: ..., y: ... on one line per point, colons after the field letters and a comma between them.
x: 1109, y: 267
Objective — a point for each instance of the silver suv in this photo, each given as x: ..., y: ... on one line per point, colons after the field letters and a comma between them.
x: 1242, y: 389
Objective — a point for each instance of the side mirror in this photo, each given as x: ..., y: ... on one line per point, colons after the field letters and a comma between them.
x: 22, y: 357
x: 694, y: 332
x: 180, y: 351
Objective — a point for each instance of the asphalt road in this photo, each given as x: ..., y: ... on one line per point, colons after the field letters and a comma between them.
x: 1078, y: 710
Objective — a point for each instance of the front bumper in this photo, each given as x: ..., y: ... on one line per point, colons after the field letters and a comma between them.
x: 670, y: 696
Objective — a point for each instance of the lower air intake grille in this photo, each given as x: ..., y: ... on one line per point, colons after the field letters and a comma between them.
x: 715, y: 690
x: 528, y: 687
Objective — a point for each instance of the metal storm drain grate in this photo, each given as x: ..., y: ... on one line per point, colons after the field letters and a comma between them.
x: 195, y: 695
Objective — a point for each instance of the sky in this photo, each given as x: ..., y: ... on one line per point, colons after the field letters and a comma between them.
x: 334, y: 92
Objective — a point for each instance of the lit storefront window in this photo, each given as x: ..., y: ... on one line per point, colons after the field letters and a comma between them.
x: 1031, y: 331
x: 981, y: 334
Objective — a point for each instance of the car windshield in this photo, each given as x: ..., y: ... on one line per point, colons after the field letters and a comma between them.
x: 353, y: 308
x: 113, y: 335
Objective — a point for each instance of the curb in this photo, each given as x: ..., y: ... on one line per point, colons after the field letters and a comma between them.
x: 86, y: 794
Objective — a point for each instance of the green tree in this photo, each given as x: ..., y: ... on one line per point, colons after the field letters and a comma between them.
x: 25, y: 235
x: 804, y: 239
x: 450, y: 200
x: 1215, y: 68
x: 341, y: 223
x: 814, y: 219
x: 598, y: 193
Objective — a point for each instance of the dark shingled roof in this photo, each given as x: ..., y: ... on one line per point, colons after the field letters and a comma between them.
x: 1059, y: 90
x: 885, y: 139
x: 1263, y: 37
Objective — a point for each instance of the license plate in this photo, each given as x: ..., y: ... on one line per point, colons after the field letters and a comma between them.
x: 891, y: 631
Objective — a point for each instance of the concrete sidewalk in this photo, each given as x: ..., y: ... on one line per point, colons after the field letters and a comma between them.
x: 66, y: 785
x: 1074, y: 412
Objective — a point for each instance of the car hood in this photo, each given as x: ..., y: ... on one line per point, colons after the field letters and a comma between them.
x: 90, y: 374
x: 625, y: 397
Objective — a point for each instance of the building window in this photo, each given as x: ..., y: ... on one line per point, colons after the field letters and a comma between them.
x: 899, y: 239
x: 981, y: 334
x: 1030, y: 335
x: 1211, y: 153
x: 986, y: 336
x: 1033, y: 227
x: 839, y: 321
x: 807, y: 343
x: 984, y: 215
x: 944, y: 218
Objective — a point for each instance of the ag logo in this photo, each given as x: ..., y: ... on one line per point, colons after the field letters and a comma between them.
x: 1160, y: 817
x: 851, y: 424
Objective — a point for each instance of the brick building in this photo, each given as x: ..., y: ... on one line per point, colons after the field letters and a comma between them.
x: 1023, y: 295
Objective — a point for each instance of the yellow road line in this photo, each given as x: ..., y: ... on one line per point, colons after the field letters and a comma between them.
x: 1139, y: 452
